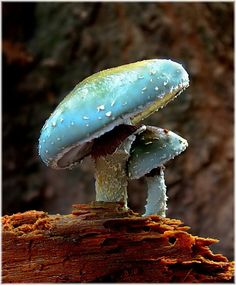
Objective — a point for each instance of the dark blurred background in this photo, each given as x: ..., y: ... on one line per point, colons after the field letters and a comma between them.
x: 49, y: 47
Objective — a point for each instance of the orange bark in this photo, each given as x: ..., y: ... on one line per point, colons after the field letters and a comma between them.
x: 101, y: 242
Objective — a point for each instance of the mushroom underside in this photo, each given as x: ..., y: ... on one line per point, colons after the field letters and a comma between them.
x: 101, y: 146
x: 109, y: 142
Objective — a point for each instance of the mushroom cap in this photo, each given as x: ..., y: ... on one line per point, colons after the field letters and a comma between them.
x: 152, y: 148
x: 121, y: 95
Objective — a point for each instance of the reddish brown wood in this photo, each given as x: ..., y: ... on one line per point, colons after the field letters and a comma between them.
x: 103, y: 243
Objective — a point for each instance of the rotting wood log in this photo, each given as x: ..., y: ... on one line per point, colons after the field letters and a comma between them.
x: 102, y: 242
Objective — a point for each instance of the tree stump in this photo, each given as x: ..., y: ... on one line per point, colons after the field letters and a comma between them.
x: 102, y: 242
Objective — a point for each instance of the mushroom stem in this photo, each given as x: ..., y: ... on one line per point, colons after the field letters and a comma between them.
x: 111, y: 174
x: 156, y: 199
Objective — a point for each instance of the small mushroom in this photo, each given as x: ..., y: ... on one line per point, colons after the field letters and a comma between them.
x: 151, y: 149
x: 110, y: 104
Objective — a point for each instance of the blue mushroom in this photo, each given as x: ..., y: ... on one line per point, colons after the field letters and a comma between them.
x: 109, y: 102
x: 150, y: 151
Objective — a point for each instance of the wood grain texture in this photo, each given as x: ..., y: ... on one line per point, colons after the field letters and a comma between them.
x: 101, y: 242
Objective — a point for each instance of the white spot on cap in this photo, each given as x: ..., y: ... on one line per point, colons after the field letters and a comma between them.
x: 101, y: 108
x: 144, y: 88
x: 165, y: 83
x: 54, y: 124
x: 156, y: 88
x: 125, y: 103
x: 99, y: 118
x: 72, y: 123
x: 46, y: 151
x: 108, y: 114
x: 52, y: 142
x: 61, y: 120
x: 87, y: 125
x: 113, y: 102
x: 44, y: 141
x: 58, y: 139
x: 140, y: 77
x: 85, y: 118
x: 152, y: 72
x: 84, y: 92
